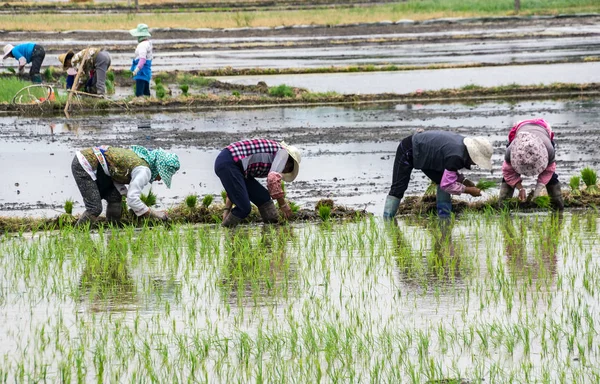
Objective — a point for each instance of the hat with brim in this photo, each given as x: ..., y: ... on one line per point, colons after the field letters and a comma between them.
x: 295, y: 155
x: 7, y: 50
x: 140, y: 31
x: 480, y: 151
x: 65, y: 57
x: 528, y: 154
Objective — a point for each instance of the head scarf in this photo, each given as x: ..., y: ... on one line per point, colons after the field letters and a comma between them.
x: 528, y: 155
x: 161, y: 162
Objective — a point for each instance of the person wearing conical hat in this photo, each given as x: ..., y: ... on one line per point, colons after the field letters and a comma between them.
x: 102, y: 173
x: 141, y: 66
x: 440, y: 155
x: 241, y: 163
x: 93, y: 76
x: 530, y: 152
x: 27, y: 53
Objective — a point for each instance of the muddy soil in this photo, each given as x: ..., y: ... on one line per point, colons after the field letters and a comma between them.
x: 348, y: 152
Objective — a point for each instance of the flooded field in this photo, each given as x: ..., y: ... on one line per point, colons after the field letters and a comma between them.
x: 348, y: 152
x: 488, y: 299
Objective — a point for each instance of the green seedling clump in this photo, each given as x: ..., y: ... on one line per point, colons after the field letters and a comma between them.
x: 590, y: 178
x: 207, y: 201
x: 431, y: 189
x: 149, y: 199
x: 294, y: 207
x: 281, y: 91
x: 191, y: 201
x: 110, y: 75
x: 236, y: 93
x: 542, y: 202
x: 161, y: 92
x: 184, y: 89
x: 325, y: 212
x: 69, y: 207
x: 485, y: 184
x: 224, y: 196
x: 574, y: 183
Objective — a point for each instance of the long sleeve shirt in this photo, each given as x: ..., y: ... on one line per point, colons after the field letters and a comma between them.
x: 22, y: 53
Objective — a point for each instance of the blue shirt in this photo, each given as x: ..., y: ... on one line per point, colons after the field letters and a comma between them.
x: 23, y: 50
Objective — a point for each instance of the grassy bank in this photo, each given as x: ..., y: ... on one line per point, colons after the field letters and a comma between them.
x: 416, y: 10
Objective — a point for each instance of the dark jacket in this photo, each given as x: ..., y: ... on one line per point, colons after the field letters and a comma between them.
x: 440, y: 150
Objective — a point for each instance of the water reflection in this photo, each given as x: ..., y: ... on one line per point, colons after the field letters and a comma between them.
x: 257, y: 270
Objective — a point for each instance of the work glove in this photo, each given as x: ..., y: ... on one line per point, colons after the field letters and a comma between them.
x: 468, y: 183
x: 522, y: 194
x: 135, y: 72
x: 539, y: 188
x: 287, y: 211
x: 157, y: 215
x: 473, y: 191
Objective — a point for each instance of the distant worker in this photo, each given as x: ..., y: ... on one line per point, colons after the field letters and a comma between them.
x: 102, y: 172
x: 240, y: 163
x: 93, y: 75
x: 141, y: 67
x: 27, y: 53
x: 530, y: 152
x: 440, y: 155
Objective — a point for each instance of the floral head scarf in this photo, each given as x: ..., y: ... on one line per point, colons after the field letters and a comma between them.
x: 161, y: 162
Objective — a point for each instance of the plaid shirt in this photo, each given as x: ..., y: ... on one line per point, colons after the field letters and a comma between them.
x: 266, y: 149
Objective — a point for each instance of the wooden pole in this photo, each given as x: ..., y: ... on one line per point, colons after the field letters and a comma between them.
x: 75, y: 82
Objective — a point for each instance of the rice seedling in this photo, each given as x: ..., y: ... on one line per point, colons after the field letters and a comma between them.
x: 224, y: 196
x: 485, y: 185
x: 49, y: 74
x: 431, y: 189
x: 207, y: 200
x: 324, y: 212
x: 149, y: 199
x: 191, y: 201
x: 69, y: 206
x: 161, y: 91
x: 542, y: 202
x: 590, y: 178
x: 294, y: 206
x: 281, y: 91
x: 574, y: 183
x: 184, y: 89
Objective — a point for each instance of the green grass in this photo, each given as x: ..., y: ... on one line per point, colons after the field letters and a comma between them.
x: 281, y: 91
x: 194, y: 81
x: 9, y: 86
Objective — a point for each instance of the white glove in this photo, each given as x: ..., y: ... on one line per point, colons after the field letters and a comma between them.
x: 158, y: 215
x: 135, y: 71
x: 539, y: 188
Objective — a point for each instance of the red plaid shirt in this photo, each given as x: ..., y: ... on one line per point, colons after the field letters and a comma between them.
x: 246, y: 148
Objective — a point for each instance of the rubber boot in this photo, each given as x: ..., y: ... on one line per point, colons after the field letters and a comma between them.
x: 443, y: 202
x: 391, y: 207
x: 36, y: 79
x: 86, y: 218
x: 506, y: 192
x: 556, y: 196
x: 269, y: 213
x: 231, y: 221
x: 113, y: 212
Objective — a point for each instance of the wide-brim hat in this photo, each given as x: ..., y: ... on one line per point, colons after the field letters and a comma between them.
x: 63, y: 58
x: 528, y: 154
x: 297, y: 157
x: 7, y: 50
x: 480, y: 151
x: 140, y: 31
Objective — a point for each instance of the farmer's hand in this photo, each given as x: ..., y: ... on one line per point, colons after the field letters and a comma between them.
x: 473, y: 191
x: 135, y: 72
x: 157, y: 215
x: 287, y: 211
x: 522, y: 194
x: 539, y: 188
x: 468, y: 183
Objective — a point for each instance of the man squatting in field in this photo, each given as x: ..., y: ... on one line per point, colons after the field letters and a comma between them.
x: 94, y: 69
x: 240, y: 163
x: 102, y: 172
x: 440, y: 155
x: 27, y: 53
x: 530, y: 152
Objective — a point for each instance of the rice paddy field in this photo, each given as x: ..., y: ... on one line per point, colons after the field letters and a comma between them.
x: 486, y: 298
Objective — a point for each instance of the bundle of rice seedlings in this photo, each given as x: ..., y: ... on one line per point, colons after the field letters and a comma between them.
x: 325, y: 212
x: 207, y: 201
x: 590, y: 178
x: 542, y: 202
x: 191, y: 201
x: 69, y: 206
x: 574, y: 183
x: 482, y: 185
x: 149, y: 199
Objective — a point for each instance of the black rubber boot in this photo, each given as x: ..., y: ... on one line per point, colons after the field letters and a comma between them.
x: 556, y: 196
x: 86, y: 218
x: 113, y: 212
x: 231, y: 221
x: 269, y: 213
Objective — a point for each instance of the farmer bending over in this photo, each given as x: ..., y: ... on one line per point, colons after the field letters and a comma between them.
x: 94, y: 69
x: 238, y: 166
x: 440, y: 155
x: 102, y: 172
x: 530, y: 152
x: 27, y: 53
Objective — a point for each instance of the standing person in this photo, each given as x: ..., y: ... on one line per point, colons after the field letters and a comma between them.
x: 94, y: 69
x: 240, y: 163
x: 102, y: 172
x: 27, y: 53
x: 530, y: 152
x: 142, y: 64
x: 440, y: 155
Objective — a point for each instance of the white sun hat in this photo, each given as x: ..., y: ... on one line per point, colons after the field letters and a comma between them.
x: 7, y: 50
x: 480, y: 151
x: 295, y: 154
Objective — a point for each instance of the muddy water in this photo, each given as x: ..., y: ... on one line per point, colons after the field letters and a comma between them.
x: 347, y: 152
x: 412, y: 81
